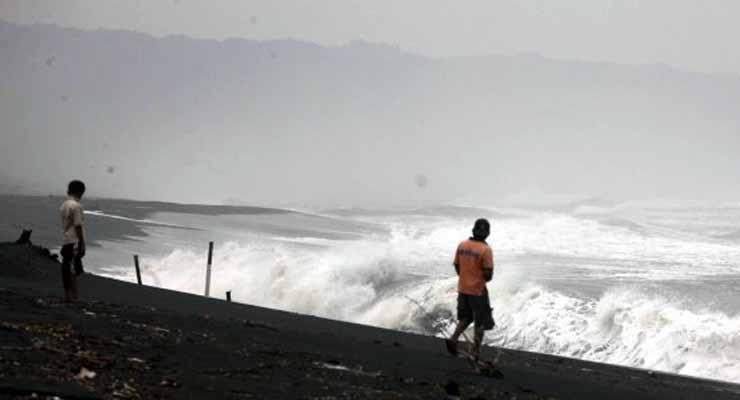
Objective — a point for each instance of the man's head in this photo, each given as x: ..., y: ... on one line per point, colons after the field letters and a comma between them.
x: 76, y: 188
x: 481, y: 229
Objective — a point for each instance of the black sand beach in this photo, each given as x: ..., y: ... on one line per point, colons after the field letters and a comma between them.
x: 144, y: 343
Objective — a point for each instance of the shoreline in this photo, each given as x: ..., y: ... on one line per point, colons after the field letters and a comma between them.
x: 188, y: 346
x: 40, y: 213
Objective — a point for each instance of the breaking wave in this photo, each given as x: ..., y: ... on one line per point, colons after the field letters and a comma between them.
x: 625, y: 327
x: 403, y: 279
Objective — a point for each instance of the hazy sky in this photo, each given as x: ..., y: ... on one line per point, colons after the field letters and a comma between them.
x: 688, y: 34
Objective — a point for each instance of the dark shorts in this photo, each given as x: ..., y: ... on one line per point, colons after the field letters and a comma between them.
x: 70, y: 259
x: 477, y: 309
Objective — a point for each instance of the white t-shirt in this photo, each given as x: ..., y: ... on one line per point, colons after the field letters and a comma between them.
x: 71, y: 212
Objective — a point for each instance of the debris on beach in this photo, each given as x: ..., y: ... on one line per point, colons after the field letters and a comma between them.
x: 169, y: 383
x: 124, y: 391
x: 259, y: 324
x: 334, y: 365
x: 85, y: 374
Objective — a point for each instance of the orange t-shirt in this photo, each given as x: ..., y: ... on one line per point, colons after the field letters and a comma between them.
x: 472, y: 257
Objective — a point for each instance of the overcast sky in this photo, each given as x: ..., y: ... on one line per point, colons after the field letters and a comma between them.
x: 688, y: 34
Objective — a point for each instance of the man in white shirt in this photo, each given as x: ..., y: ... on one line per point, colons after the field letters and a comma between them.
x: 73, y: 246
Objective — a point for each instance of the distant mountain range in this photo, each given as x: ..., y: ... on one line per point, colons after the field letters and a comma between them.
x: 289, y: 122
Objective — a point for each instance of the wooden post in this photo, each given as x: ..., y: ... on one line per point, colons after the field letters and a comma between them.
x: 138, y: 271
x: 228, y: 296
x: 208, y: 269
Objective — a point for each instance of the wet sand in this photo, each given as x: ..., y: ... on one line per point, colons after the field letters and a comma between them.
x: 143, y: 343
x: 41, y: 214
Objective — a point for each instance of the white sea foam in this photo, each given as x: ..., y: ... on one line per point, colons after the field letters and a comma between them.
x: 624, y: 327
x: 404, y: 280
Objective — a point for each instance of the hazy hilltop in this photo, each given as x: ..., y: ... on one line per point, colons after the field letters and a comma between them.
x: 287, y: 122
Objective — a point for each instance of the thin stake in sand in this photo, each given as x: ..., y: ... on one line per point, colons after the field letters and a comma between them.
x: 138, y: 270
x: 208, y: 269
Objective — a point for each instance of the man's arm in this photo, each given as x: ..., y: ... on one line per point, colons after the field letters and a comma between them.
x: 488, y: 265
x: 77, y: 221
x: 81, y: 248
x: 456, y: 262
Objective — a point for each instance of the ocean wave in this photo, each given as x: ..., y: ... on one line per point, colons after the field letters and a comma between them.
x: 625, y: 327
x: 393, y: 284
x: 97, y: 213
x: 401, y: 277
x: 732, y: 236
x: 336, y: 279
x: 447, y: 211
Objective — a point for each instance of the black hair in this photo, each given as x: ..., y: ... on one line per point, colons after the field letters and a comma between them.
x: 481, y: 228
x: 76, y: 187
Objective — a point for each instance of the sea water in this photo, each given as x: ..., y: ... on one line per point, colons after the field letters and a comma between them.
x: 643, y: 285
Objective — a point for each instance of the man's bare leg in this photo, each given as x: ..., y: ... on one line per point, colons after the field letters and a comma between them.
x: 73, y: 288
x: 452, y: 341
x: 67, y: 281
x: 462, y: 325
x: 477, y: 341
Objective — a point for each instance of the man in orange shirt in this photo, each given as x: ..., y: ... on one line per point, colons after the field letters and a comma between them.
x: 474, y: 267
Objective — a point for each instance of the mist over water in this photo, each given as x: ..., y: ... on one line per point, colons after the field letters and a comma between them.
x: 648, y: 286
x: 331, y: 129
x: 291, y: 123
